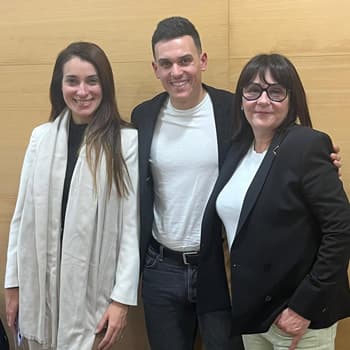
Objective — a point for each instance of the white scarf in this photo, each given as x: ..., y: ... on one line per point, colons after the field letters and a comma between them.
x: 62, y: 298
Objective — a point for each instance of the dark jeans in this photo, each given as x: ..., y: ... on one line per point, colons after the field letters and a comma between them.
x: 169, y: 298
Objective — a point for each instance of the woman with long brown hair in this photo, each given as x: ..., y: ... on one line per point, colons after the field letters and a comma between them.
x: 73, y: 257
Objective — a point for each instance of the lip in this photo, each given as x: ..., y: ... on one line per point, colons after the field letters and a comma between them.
x: 178, y: 83
x: 263, y: 112
x: 84, y: 103
x: 83, y: 100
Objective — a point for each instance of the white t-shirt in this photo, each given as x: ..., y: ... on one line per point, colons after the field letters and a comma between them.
x: 230, y: 199
x: 184, y: 165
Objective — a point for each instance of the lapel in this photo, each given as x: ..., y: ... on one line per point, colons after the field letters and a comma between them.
x: 234, y: 155
x: 146, y: 133
x: 259, y: 178
x: 223, y: 120
x: 223, y: 123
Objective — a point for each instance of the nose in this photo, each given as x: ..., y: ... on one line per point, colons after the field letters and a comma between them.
x: 82, y: 89
x: 264, y: 98
x: 176, y: 70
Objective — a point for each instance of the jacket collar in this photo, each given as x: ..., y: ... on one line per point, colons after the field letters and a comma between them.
x: 222, y: 112
x: 260, y: 177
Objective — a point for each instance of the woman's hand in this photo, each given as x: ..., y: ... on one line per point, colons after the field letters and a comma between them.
x: 113, y: 322
x: 12, y: 304
x: 292, y: 323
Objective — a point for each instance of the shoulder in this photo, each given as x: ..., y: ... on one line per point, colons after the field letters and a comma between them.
x: 128, y: 133
x: 154, y: 102
x: 41, y: 129
x: 218, y: 93
x: 37, y: 135
x: 128, y: 140
x: 39, y: 132
x: 303, y: 136
x: 301, y: 144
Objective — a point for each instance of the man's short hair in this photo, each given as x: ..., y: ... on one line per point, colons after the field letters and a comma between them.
x: 175, y: 27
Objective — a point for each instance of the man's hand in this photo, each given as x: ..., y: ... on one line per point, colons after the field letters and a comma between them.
x: 336, y: 158
x: 293, y: 324
x: 12, y: 305
x: 114, y: 322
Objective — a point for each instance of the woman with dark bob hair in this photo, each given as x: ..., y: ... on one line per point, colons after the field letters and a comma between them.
x: 286, y: 215
x: 73, y: 256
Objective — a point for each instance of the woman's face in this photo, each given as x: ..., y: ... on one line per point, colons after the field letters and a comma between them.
x: 263, y: 113
x: 81, y: 88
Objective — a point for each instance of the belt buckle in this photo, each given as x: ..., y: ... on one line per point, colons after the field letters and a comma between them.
x: 185, y: 254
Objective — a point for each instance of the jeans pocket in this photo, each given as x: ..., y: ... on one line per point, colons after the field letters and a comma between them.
x: 151, y: 259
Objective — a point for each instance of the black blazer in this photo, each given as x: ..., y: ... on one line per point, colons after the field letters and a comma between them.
x: 293, y: 237
x: 144, y: 117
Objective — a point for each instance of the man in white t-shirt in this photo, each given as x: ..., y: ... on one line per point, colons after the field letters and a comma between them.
x: 184, y: 134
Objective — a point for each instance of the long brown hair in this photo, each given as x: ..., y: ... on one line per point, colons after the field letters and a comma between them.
x: 103, y: 132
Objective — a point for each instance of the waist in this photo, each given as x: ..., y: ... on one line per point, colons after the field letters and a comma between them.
x: 182, y: 258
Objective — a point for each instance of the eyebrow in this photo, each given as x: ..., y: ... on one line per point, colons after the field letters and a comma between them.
x: 166, y: 60
x: 75, y: 76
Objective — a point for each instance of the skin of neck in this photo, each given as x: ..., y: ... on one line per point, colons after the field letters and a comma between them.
x: 262, y: 141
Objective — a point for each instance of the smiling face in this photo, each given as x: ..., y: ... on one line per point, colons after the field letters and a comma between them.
x: 81, y: 89
x: 179, y: 66
x: 263, y: 114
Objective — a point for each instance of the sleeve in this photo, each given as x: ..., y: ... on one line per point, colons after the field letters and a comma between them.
x: 324, y: 194
x: 11, y: 274
x: 128, y: 266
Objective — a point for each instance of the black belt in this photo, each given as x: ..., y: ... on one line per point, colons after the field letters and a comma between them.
x: 184, y: 258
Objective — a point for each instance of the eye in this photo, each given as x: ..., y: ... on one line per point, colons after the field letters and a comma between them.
x: 252, y: 92
x: 93, y: 80
x: 71, y: 81
x: 186, y: 60
x: 165, y: 64
x: 253, y: 88
x: 277, y: 92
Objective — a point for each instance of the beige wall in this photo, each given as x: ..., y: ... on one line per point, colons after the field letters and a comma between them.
x: 314, y: 34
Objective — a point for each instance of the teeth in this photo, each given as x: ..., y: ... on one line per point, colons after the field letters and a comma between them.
x: 179, y: 84
x: 82, y: 102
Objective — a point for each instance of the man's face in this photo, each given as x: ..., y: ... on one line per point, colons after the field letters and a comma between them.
x: 179, y: 66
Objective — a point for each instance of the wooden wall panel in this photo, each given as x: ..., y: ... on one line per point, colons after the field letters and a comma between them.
x: 294, y: 27
x: 34, y: 32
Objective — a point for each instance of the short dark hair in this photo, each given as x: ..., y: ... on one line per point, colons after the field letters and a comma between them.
x: 175, y: 27
x: 284, y: 72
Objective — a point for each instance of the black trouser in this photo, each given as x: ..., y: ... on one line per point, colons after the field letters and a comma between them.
x: 169, y: 298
